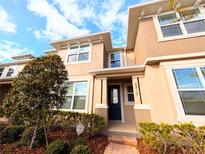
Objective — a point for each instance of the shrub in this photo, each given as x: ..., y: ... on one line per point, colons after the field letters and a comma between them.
x: 81, y: 149
x: 93, y: 123
x: 1, y: 112
x: 58, y: 147
x: 78, y: 141
x: 166, y: 138
x: 11, y: 133
x: 27, y: 137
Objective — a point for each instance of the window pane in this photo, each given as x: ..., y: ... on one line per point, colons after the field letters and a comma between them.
x: 115, y: 63
x: 190, y: 14
x: 83, y: 56
x: 69, y: 89
x: 72, y: 58
x: 10, y: 72
x: 84, y: 48
x: 67, y: 103
x: 115, y: 56
x: 203, y: 71
x: 167, y: 19
x: 193, y: 102
x: 79, y: 102
x: 73, y: 50
x: 129, y: 89
x: 80, y: 88
x: 1, y: 71
x: 130, y: 98
x: 195, y: 27
x: 172, y: 30
x: 187, y: 78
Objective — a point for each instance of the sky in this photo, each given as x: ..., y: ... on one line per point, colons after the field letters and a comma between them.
x: 27, y: 26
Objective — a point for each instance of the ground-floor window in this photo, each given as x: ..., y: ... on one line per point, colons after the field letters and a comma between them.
x: 76, y: 95
x: 129, y: 94
x: 190, y: 83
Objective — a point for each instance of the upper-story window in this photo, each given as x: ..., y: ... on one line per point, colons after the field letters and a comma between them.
x: 1, y: 71
x: 11, y: 71
x: 79, y: 53
x: 182, y: 24
x: 114, y: 59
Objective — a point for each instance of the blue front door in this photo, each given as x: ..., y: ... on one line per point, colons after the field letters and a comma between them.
x: 114, y: 103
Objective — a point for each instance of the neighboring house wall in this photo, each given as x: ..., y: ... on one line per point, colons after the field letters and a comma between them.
x: 147, y: 44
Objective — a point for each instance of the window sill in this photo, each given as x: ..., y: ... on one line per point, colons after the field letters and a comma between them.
x: 68, y: 110
x: 81, y: 62
x: 195, y: 119
x: 181, y: 37
x: 130, y: 103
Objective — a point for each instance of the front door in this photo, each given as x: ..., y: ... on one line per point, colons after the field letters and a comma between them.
x: 114, y: 104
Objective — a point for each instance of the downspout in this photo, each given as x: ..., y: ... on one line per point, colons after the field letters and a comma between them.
x: 125, y: 51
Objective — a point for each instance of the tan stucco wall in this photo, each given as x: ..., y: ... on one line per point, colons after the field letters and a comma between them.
x: 79, y: 69
x: 156, y: 92
x: 147, y: 44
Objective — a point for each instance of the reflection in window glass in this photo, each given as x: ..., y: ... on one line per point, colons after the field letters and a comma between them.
x: 195, y: 26
x: 115, y: 59
x: 187, y: 78
x: 130, y: 94
x: 10, y: 72
x: 167, y: 19
x: 172, y: 30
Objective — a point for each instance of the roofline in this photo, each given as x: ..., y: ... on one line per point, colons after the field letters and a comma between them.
x: 15, y: 62
x: 146, y: 3
x: 79, y: 37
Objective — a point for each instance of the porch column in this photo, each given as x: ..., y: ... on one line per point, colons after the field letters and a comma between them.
x: 102, y: 106
x: 142, y: 110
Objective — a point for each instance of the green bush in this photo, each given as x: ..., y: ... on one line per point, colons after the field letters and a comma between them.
x: 166, y: 138
x: 11, y: 133
x: 58, y: 147
x: 27, y: 137
x: 78, y: 141
x: 1, y: 112
x: 93, y: 123
x: 81, y: 149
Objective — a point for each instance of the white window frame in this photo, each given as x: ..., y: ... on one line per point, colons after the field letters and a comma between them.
x: 72, y: 101
x: 2, y: 72
x: 78, y: 53
x: 109, y: 59
x: 182, y: 27
x: 127, y: 102
x: 14, y: 73
x: 169, y: 66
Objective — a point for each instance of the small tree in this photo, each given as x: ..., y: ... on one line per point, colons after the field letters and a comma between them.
x: 36, y: 91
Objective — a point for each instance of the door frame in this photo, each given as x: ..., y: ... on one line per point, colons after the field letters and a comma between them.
x: 121, y: 100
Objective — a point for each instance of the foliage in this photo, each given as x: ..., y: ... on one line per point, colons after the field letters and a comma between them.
x: 58, y: 146
x: 27, y: 137
x: 36, y: 90
x: 93, y: 123
x: 81, y: 149
x: 1, y: 112
x: 10, y: 134
x: 166, y: 138
x: 78, y: 141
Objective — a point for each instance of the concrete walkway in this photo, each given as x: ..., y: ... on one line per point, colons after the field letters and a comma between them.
x: 121, y: 145
x: 116, y: 148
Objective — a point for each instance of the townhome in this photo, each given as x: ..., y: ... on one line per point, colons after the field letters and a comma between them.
x: 158, y: 76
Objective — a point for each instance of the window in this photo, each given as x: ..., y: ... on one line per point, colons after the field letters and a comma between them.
x: 188, y: 22
x: 11, y: 71
x: 129, y: 94
x: 1, y: 71
x: 75, y: 96
x: 114, y: 59
x: 78, y: 53
x: 190, y: 83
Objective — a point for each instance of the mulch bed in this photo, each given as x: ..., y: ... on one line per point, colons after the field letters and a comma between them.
x: 97, y: 144
x: 144, y: 149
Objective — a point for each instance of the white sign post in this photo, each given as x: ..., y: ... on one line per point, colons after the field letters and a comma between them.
x: 80, y: 129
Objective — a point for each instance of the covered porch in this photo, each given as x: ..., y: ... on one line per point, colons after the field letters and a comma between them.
x: 116, y: 94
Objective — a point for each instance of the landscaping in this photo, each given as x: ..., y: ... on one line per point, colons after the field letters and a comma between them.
x: 62, y: 137
x: 164, y: 138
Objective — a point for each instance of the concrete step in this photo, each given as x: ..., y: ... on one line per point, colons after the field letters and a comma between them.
x: 125, y: 140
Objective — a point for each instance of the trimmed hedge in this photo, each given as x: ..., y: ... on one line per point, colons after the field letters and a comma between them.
x: 93, y: 123
x: 81, y: 149
x: 58, y: 146
x: 78, y: 141
x: 166, y: 138
x: 10, y: 133
x: 27, y: 137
